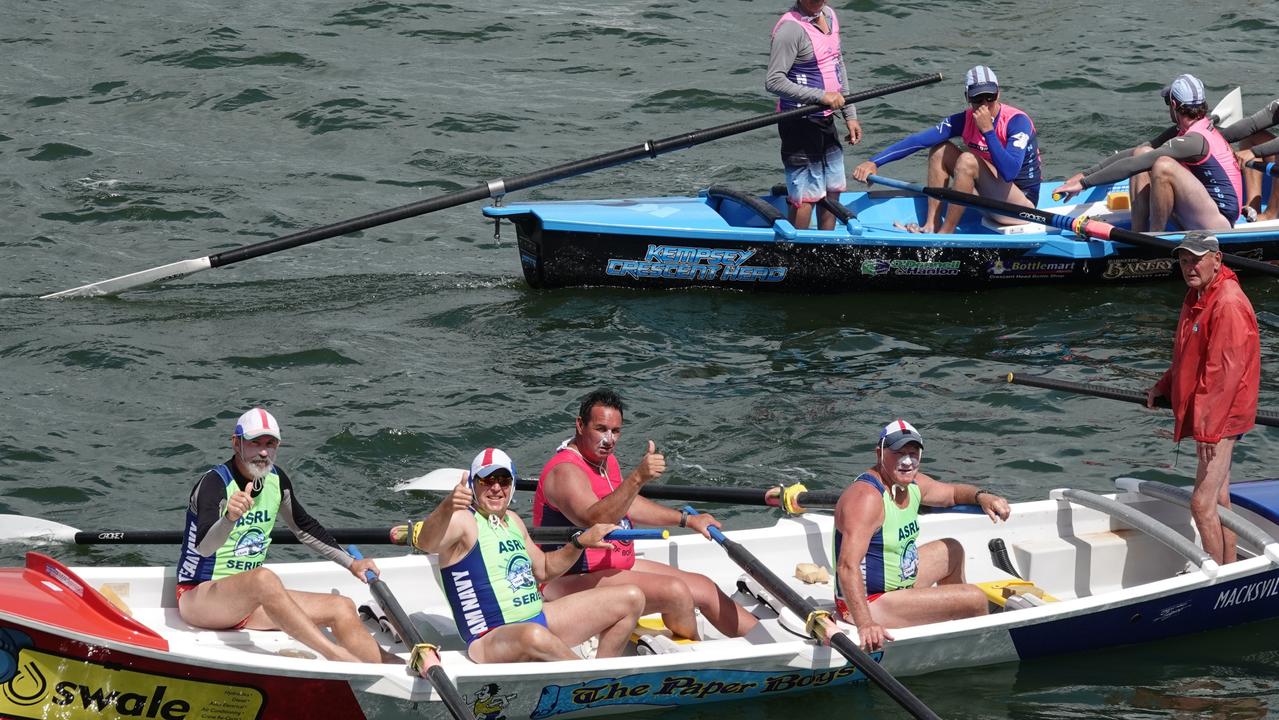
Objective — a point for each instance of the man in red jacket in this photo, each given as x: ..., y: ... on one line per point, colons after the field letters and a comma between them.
x: 1213, y: 380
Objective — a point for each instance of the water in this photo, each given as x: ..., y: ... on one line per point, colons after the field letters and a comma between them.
x: 140, y: 133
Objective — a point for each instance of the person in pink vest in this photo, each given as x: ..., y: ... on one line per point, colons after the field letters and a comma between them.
x: 1213, y: 380
x: 1188, y: 173
x: 806, y: 67
x: 582, y: 485
x: 999, y: 160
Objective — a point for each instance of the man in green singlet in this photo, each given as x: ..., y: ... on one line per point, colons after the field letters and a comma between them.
x: 221, y: 582
x: 882, y: 578
x: 490, y: 570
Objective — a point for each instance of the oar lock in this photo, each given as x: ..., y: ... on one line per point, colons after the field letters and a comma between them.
x: 497, y: 191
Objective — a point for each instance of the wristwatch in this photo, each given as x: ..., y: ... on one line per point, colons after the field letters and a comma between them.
x: 574, y: 539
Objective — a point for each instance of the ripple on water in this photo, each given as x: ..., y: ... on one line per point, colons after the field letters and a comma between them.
x: 52, y: 152
x: 347, y: 114
x: 302, y: 358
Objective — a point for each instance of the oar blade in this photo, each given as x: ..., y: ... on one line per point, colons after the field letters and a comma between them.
x: 1230, y: 109
x: 441, y: 480
x: 132, y: 280
x: 14, y: 528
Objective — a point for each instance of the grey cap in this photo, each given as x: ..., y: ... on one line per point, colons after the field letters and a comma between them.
x: 1186, y: 90
x: 1198, y: 242
x: 979, y: 80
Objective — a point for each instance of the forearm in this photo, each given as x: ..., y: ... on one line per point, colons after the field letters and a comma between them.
x: 558, y: 562
x: 217, y: 534
x: 612, y: 507
x: 1270, y: 147
x: 1256, y: 122
x: 921, y: 140
x: 646, y: 512
x: 853, y: 586
x: 430, y: 536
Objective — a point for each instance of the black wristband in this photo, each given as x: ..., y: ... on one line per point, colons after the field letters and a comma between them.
x: 574, y: 539
x: 683, y: 518
x: 978, y: 494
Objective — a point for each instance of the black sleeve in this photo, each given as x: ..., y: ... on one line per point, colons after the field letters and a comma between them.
x: 1267, y: 116
x: 208, y: 502
x: 307, y: 529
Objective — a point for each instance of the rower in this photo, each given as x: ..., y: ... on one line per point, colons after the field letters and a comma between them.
x: 583, y: 484
x: 490, y: 570
x: 222, y: 584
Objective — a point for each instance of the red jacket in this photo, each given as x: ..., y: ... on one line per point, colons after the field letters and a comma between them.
x: 1216, y: 363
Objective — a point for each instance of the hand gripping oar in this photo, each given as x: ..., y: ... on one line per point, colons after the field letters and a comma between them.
x: 1268, y: 168
x: 1081, y: 226
x: 424, y: 658
x: 491, y: 189
x: 1101, y: 391
x: 21, y: 527
x: 818, y: 624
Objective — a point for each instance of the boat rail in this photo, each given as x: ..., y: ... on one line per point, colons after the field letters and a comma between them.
x: 1247, y: 530
x: 1144, y: 523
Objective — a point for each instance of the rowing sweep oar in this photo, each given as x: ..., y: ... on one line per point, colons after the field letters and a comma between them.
x: 445, y: 479
x: 1132, y: 396
x: 819, y: 624
x: 491, y: 189
x: 1081, y: 226
x: 21, y: 527
x: 424, y: 658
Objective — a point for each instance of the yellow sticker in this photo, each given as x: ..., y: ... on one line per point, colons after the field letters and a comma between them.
x: 51, y: 686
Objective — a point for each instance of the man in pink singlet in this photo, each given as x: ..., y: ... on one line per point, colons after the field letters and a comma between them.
x: 582, y: 485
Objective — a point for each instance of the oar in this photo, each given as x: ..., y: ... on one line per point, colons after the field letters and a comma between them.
x: 1132, y: 396
x: 445, y: 479
x: 424, y: 657
x: 21, y: 527
x: 1268, y: 168
x: 817, y: 624
x: 1081, y: 226
x: 491, y: 189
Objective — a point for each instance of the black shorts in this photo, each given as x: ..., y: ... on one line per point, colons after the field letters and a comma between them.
x: 807, y: 140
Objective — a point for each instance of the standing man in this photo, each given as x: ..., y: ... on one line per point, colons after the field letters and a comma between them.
x: 582, y: 484
x: 1213, y: 380
x: 490, y: 570
x: 1000, y: 162
x: 1187, y: 173
x: 805, y: 66
x: 222, y: 584
x: 883, y: 579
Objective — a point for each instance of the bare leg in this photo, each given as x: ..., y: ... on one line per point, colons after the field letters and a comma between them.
x: 941, y: 165
x: 259, y: 595
x: 826, y: 218
x: 520, y: 642
x: 990, y: 185
x: 965, y: 170
x: 1212, y: 485
x: 1176, y: 193
x: 719, y: 609
x: 801, y: 216
x: 610, y: 612
x: 950, y: 598
x: 1139, y: 190
x: 662, y: 594
x: 941, y: 562
x: 1253, y: 179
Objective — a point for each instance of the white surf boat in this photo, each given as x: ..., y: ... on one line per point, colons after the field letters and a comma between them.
x: 1095, y: 571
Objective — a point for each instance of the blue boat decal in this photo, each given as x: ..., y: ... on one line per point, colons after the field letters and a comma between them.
x: 677, y: 262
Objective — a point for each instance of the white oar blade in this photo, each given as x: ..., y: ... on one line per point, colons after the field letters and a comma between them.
x: 1230, y: 109
x: 28, y: 529
x: 442, y: 480
x: 132, y: 280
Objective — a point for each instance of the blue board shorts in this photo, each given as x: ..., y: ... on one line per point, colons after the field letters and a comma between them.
x: 810, y: 182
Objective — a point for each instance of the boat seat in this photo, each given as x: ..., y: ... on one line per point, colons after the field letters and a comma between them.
x: 1258, y: 496
x: 1090, y: 563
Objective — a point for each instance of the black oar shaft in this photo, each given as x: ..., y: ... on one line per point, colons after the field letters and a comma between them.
x: 439, y: 679
x: 364, y: 536
x: 699, y: 493
x: 1102, y: 391
x: 1268, y: 168
x: 840, y: 641
x: 500, y: 186
x: 1083, y: 226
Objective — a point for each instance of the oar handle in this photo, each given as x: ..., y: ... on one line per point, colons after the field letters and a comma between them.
x: 1102, y: 391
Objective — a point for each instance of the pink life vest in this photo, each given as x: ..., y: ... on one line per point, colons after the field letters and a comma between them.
x: 976, y: 142
x: 1218, y: 170
x: 824, y: 70
x: 622, y: 556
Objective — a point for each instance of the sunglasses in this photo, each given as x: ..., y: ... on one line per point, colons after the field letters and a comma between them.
x: 982, y: 99
x: 495, y: 479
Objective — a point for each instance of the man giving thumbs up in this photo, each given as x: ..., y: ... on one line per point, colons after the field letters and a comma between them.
x: 583, y: 485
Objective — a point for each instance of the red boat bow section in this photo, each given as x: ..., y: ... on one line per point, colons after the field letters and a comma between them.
x: 49, y: 593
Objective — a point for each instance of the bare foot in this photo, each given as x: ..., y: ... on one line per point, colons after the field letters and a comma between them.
x: 913, y: 227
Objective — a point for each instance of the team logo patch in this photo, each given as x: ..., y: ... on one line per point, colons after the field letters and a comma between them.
x: 252, y: 542
x: 519, y: 573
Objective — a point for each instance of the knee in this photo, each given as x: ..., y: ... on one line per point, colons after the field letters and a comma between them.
x: 1142, y: 149
x: 954, y: 553
x: 632, y: 600
x: 966, y: 164
x: 1164, y: 167
x: 975, y: 601
x: 539, y: 639
x: 265, y: 582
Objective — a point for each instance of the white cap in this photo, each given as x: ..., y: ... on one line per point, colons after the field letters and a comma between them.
x: 255, y: 423
x: 490, y: 460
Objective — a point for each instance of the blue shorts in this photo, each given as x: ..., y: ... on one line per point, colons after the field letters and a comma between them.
x: 810, y: 182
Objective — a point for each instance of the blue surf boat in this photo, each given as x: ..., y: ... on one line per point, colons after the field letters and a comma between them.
x: 730, y: 239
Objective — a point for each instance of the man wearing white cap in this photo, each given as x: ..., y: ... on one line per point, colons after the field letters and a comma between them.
x: 1213, y: 380
x: 490, y: 570
x: 1188, y: 173
x: 883, y: 579
x: 1000, y: 160
x: 221, y: 582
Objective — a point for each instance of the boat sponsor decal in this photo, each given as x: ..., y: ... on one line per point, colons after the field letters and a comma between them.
x: 1138, y: 268
x: 928, y: 268
x: 1172, y: 611
x: 47, y: 685
x: 667, y: 688
x: 1247, y: 593
x: 1014, y: 269
x: 488, y: 702
x: 677, y: 262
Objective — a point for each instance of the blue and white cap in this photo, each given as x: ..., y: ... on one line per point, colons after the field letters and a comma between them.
x: 1186, y: 90
x: 980, y: 79
x: 898, y: 434
x: 256, y: 423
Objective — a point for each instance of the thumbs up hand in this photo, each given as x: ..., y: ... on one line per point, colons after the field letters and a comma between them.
x: 462, y: 495
x: 239, y: 503
x: 652, y: 465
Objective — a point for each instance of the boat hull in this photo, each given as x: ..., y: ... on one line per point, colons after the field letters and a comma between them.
x: 682, y: 242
